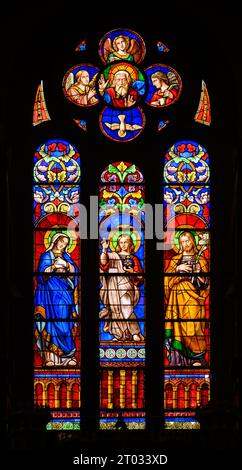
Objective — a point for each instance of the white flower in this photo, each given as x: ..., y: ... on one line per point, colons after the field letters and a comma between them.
x: 204, y: 238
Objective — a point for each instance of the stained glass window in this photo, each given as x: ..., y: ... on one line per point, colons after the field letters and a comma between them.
x: 186, y: 193
x: 56, y: 193
x: 122, y: 86
x: 122, y: 297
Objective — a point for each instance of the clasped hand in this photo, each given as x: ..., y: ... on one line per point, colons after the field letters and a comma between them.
x: 188, y: 268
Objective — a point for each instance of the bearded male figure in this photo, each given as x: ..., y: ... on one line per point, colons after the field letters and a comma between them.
x: 185, y: 293
x: 123, y: 92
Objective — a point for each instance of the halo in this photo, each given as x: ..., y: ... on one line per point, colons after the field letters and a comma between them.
x: 121, y: 32
x: 124, y: 230
x: 125, y: 68
x: 176, y: 245
x: 50, y: 234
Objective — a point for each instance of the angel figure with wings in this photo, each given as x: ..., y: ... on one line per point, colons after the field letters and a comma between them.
x: 80, y: 89
x: 167, y: 86
x: 122, y: 47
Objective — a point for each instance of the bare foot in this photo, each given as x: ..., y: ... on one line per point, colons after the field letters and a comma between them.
x: 136, y: 338
x: 49, y: 364
x: 72, y: 362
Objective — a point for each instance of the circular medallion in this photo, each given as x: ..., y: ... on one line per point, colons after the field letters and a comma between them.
x: 110, y: 353
x: 164, y: 86
x: 122, y: 44
x: 101, y: 353
x: 122, y: 126
x: 141, y: 353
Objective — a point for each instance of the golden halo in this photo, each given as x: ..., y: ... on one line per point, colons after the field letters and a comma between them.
x: 124, y: 68
x: 50, y: 234
x: 124, y: 230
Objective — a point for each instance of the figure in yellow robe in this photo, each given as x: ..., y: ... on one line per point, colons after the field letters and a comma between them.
x: 185, y: 311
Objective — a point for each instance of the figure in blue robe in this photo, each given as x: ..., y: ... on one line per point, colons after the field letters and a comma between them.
x: 55, y: 305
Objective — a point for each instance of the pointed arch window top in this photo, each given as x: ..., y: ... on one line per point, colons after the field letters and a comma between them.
x: 57, y: 161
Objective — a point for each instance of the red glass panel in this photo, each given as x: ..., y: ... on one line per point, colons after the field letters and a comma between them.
x: 63, y: 395
x: 181, y: 396
x: 51, y: 395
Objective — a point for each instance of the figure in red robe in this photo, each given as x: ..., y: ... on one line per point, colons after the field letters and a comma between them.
x: 166, y: 93
x: 123, y: 92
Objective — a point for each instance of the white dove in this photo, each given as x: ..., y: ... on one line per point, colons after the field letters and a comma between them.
x: 123, y: 126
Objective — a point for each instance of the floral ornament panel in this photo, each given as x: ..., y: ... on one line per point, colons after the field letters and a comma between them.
x: 184, y: 201
x: 186, y: 162
x: 55, y: 199
x: 127, y: 198
x: 165, y: 85
x: 121, y: 172
x: 79, y: 85
x: 122, y: 44
x: 122, y: 126
x: 57, y: 161
x: 122, y: 85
